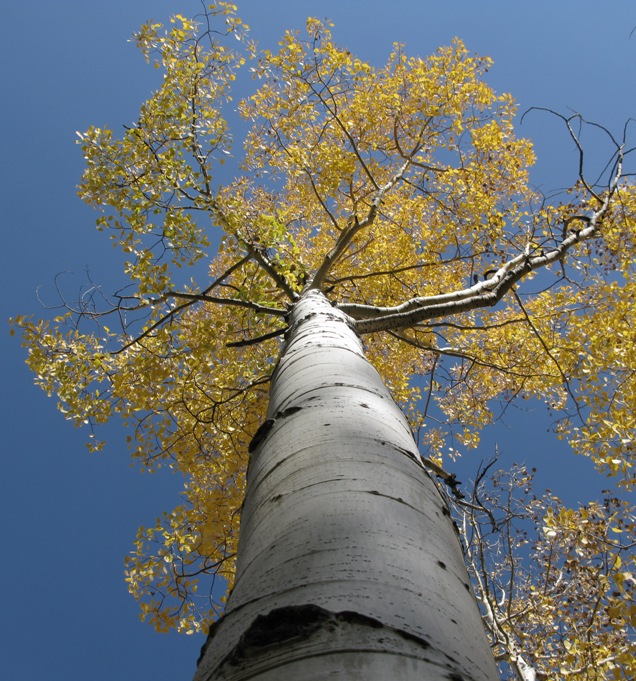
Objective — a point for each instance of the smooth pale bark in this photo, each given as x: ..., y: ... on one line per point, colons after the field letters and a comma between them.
x: 348, y: 564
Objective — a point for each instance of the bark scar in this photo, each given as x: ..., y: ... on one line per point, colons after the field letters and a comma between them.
x: 260, y: 435
x: 299, y: 622
x: 263, y: 430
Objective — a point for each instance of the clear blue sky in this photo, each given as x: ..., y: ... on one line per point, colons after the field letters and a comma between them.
x: 68, y: 518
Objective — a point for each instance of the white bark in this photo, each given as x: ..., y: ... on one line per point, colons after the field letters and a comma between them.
x: 348, y: 564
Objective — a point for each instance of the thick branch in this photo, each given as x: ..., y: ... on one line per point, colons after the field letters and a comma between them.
x: 192, y: 298
x: 457, y: 352
x: 255, y: 252
x: 261, y: 309
x: 550, y: 354
x: 487, y: 293
x: 261, y: 258
x: 354, y: 226
x: 257, y: 339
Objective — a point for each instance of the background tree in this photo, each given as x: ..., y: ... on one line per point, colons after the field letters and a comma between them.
x: 358, y: 194
x: 556, y: 584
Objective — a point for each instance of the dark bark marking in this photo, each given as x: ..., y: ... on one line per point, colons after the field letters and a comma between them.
x: 412, y: 637
x: 298, y: 622
x: 287, y: 412
x: 283, y: 624
x: 411, y: 455
x: 454, y: 676
x: 442, y: 564
x: 263, y: 430
x: 354, y: 617
x: 315, y: 484
x: 387, y: 496
x: 260, y: 435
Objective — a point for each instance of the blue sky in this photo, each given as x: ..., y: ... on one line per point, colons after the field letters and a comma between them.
x: 68, y: 517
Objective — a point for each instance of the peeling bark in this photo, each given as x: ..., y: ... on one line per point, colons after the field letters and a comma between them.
x: 348, y: 563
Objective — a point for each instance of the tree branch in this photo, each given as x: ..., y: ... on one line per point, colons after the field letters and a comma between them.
x: 550, y: 354
x: 257, y: 339
x: 261, y: 258
x: 237, y: 302
x: 369, y: 318
x: 354, y: 226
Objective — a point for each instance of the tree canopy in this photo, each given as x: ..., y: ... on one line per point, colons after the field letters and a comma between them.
x: 403, y: 193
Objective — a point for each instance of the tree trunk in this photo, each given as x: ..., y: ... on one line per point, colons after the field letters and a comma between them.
x: 348, y: 563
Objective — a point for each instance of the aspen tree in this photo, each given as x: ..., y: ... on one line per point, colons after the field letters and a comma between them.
x: 369, y: 260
